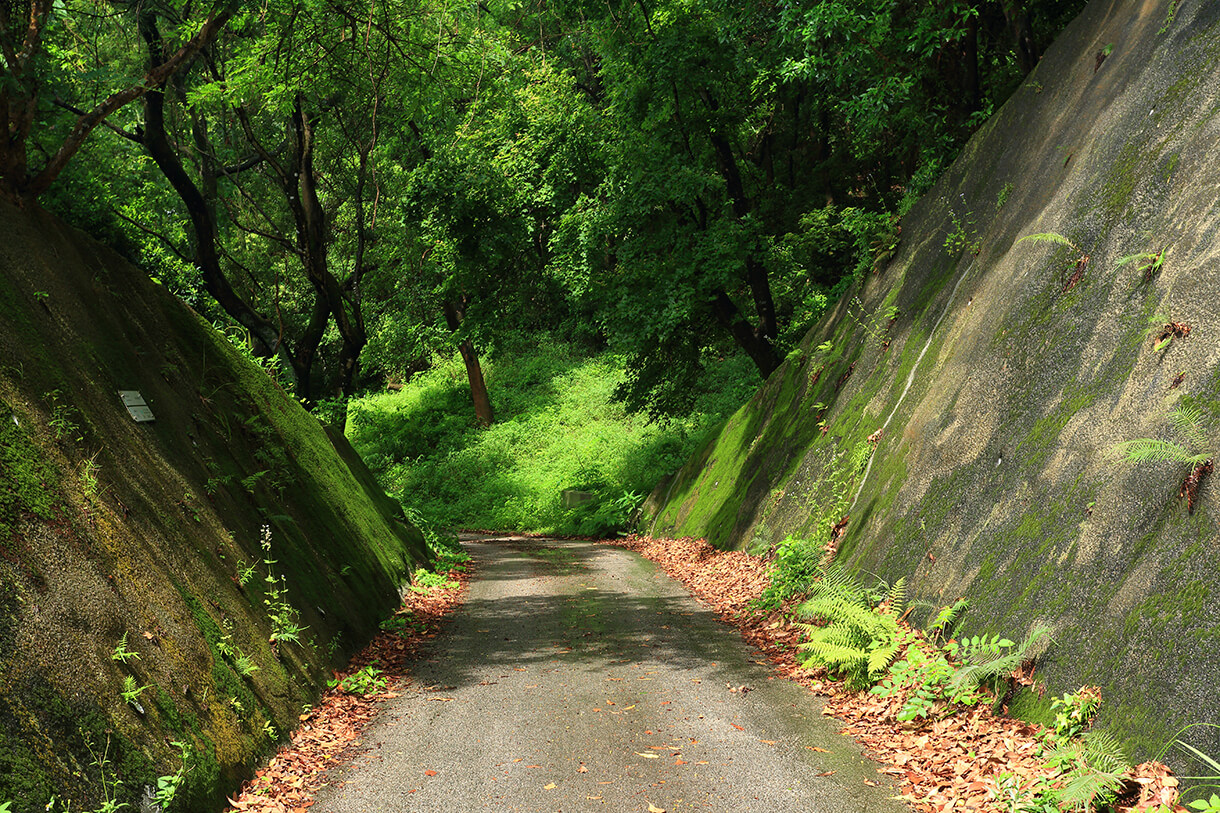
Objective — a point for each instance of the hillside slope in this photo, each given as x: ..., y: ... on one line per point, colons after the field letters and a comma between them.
x: 145, y: 537
x: 1000, y: 373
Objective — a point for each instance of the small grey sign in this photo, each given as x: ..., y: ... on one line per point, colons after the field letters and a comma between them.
x: 136, y: 407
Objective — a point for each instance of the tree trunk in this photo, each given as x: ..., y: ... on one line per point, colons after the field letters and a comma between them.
x: 1022, y: 34
x: 757, y: 346
x: 454, y: 313
x: 970, y: 59
x: 312, y: 240
x: 202, y: 215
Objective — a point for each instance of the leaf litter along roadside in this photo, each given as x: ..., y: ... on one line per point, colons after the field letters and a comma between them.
x: 953, y: 763
x: 329, y: 733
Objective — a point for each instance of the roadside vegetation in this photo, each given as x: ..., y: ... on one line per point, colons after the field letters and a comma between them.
x: 558, y: 428
x: 929, y: 705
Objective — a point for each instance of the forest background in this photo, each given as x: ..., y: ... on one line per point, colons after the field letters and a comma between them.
x: 621, y: 216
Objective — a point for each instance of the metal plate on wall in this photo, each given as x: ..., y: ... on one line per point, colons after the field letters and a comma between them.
x: 136, y: 407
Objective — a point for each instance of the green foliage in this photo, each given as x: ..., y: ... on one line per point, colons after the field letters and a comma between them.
x: 985, y: 660
x: 426, y: 579
x: 931, y: 677
x: 1013, y: 797
x: 121, y: 653
x: 369, y: 679
x: 63, y: 418
x: 131, y: 691
x: 1209, y: 805
x: 1094, y: 767
x: 798, y: 557
x: 1193, y: 450
x: 168, y: 785
x: 925, y: 675
x: 1003, y: 195
x: 88, y: 475
x: 241, y: 662
x: 1149, y: 263
x: 942, y: 626
x: 402, y: 622
x: 852, y: 638
x: 965, y: 236
x: 557, y: 428
x: 1074, y: 712
x: 285, y: 620
x: 793, y: 570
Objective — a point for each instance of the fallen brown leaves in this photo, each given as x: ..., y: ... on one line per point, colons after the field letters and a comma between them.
x: 938, y: 765
x: 329, y: 732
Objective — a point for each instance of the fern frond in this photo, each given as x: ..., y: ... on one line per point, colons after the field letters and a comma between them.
x: 1103, y: 752
x: 1188, y: 421
x: 1049, y: 237
x: 1086, y: 787
x: 1144, y: 450
x: 835, y: 580
x: 948, y: 616
x: 1143, y: 255
x: 897, y: 595
x: 1095, y: 769
x: 833, y: 609
x: 970, y: 677
x: 879, y: 659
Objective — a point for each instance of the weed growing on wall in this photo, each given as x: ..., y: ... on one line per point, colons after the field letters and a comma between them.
x: 798, y: 558
x: 1193, y: 449
x: 168, y: 786
x: 1073, y: 267
x: 1148, y: 263
x: 285, y: 620
x: 121, y: 653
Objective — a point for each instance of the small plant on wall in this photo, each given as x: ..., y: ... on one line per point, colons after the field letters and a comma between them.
x: 1164, y: 330
x: 1147, y: 262
x: 1194, y: 451
x: 1075, y: 265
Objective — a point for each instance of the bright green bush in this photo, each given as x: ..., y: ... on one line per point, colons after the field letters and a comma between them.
x: 557, y: 427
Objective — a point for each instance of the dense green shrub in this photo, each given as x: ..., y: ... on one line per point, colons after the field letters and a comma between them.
x: 558, y: 427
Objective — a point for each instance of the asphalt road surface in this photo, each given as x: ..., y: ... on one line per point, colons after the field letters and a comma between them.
x: 579, y: 677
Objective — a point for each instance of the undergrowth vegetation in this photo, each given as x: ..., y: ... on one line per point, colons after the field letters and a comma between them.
x: 858, y: 634
x: 558, y: 428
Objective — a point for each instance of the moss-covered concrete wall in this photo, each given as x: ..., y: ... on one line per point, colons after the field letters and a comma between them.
x: 1001, y: 386
x: 150, y: 533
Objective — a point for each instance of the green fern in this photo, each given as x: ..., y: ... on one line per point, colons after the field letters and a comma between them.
x: 946, y: 618
x: 1049, y: 237
x: 895, y: 598
x: 1186, y: 422
x: 1150, y: 263
x: 984, y: 664
x: 1095, y: 768
x: 1153, y: 450
x: 857, y: 641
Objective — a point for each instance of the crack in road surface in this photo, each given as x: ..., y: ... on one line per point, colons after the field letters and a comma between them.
x: 580, y: 677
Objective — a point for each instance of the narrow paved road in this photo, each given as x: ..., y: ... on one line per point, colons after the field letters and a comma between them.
x: 580, y: 677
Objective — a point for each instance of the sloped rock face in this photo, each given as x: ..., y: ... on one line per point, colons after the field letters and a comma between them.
x: 1009, y: 373
x: 150, y: 534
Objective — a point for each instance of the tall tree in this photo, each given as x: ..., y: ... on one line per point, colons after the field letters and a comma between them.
x: 31, y: 32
